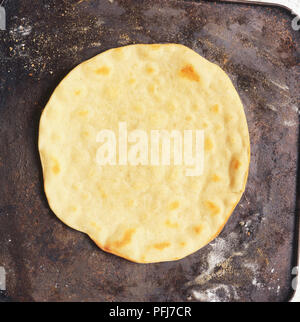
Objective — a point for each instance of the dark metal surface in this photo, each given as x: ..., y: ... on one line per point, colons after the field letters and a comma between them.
x: 252, y: 259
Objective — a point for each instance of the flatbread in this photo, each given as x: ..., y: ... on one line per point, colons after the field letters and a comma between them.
x: 144, y: 213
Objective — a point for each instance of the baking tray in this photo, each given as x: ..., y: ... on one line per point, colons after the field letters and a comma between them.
x: 254, y: 256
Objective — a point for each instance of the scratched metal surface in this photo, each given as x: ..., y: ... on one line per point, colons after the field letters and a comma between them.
x: 252, y: 258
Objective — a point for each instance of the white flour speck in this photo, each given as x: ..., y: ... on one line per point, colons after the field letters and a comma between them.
x: 272, y: 107
x: 283, y: 87
x: 289, y: 123
x: 23, y: 30
x: 257, y: 284
x: 219, y: 293
x: 296, y: 109
x: 220, y: 255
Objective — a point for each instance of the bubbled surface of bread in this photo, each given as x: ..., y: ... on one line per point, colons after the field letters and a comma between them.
x: 144, y: 213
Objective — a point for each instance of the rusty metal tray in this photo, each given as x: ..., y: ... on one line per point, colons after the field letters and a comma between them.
x: 253, y: 258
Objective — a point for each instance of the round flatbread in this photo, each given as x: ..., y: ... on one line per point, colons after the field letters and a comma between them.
x: 103, y: 139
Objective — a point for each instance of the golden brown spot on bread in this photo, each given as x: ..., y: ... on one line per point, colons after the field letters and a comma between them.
x: 83, y: 113
x: 214, y: 209
x: 182, y: 244
x: 142, y: 53
x: 127, y: 237
x: 215, y: 178
x: 228, y: 118
x: 131, y: 81
x: 161, y: 246
x: 103, y: 70
x: 208, y: 144
x: 195, y: 107
x: 95, y: 225
x: 149, y: 70
x: 215, y: 108
x: 151, y: 89
x: 84, y: 134
x: 188, y: 118
x: 137, y: 109
x: 56, y: 168
x: 188, y: 72
x: 77, y: 92
x: 204, y: 125
x: 130, y: 203
x: 118, y: 50
x: 235, y: 164
x: 73, y: 208
x: 169, y: 224
x: 155, y: 46
x: 198, y: 229
x: 102, y: 193
x: 170, y: 107
x: 174, y: 205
